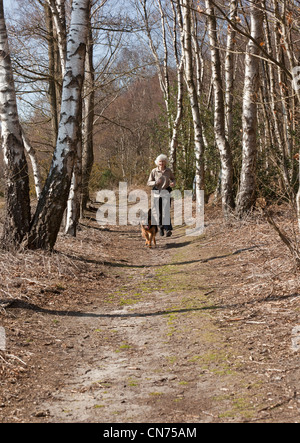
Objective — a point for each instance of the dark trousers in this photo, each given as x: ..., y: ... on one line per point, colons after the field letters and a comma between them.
x: 167, y: 227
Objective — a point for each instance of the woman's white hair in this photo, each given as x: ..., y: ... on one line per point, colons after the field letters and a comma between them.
x: 160, y: 158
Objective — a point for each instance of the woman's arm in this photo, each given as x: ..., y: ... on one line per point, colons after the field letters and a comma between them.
x: 151, y: 180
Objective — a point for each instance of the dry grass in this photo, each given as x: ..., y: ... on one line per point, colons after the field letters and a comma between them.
x: 26, y: 274
x: 20, y: 272
x: 260, y: 285
x: 32, y: 280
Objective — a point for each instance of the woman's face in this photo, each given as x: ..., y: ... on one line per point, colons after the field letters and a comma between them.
x: 162, y: 164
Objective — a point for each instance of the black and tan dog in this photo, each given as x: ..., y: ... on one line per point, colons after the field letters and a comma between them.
x: 149, y: 232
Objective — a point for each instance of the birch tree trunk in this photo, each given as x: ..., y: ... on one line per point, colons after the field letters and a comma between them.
x: 162, y: 71
x: 184, y: 9
x: 54, y: 197
x: 247, y: 193
x: 59, y: 16
x: 174, y: 121
x: 272, y: 97
x: 74, y: 200
x: 219, y: 114
x: 34, y: 163
x: 54, y: 91
x: 17, y: 217
x: 178, y: 118
x: 229, y: 72
x: 88, y: 113
x: 282, y: 11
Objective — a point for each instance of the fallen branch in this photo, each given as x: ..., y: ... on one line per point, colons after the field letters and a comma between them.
x: 284, y: 237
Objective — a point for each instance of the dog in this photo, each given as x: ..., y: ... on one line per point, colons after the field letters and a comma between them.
x: 149, y: 232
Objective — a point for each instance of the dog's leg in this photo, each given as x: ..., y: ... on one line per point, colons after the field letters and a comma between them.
x: 147, y: 239
x: 152, y: 238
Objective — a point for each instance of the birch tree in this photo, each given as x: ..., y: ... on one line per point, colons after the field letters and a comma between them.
x: 17, y: 218
x: 219, y: 114
x: 59, y: 16
x: 229, y: 71
x: 274, y: 98
x: 180, y: 91
x: 247, y: 192
x: 74, y: 200
x: 162, y: 65
x: 53, y: 201
x: 54, y: 76
x: 184, y: 11
x: 34, y: 163
x: 286, y: 23
x: 88, y: 115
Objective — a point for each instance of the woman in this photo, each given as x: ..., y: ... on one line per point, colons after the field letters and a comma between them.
x: 162, y: 178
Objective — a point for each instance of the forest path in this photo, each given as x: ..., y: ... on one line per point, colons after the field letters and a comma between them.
x: 160, y: 343
x: 145, y: 367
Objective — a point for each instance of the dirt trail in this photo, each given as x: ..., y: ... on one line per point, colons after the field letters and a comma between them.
x: 145, y: 368
x: 154, y: 343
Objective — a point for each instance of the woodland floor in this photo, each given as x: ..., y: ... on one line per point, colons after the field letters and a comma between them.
x: 198, y: 330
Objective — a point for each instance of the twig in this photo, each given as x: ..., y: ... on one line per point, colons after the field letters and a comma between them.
x: 16, y: 358
x: 284, y: 237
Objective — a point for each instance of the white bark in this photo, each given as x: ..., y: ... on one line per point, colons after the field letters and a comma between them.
x: 17, y: 217
x: 58, y: 11
x: 184, y: 9
x: 72, y: 85
x: 162, y: 73
x: 88, y: 116
x: 74, y: 201
x: 9, y: 112
x: 180, y: 90
x: 34, y: 163
x: 229, y: 72
x: 219, y: 114
x: 280, y: 132
x: 247, y: 193
x: 178, y: 118
x: 53, y: 200
x: 294, y: 63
